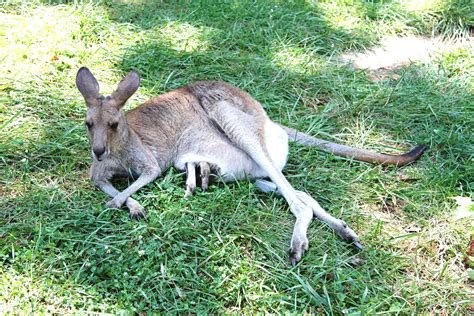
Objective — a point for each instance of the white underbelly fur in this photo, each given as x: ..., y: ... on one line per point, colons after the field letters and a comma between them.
x: 234, y: 164
x: 276, y: 141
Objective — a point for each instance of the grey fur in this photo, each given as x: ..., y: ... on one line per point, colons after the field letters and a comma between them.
x: 209, y: 124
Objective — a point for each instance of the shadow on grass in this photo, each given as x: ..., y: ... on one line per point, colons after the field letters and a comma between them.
x: 227, y: 248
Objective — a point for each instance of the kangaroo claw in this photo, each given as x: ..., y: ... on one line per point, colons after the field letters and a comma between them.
x: 137, y: 215
x: 293, y: 262
x: 358, y: 245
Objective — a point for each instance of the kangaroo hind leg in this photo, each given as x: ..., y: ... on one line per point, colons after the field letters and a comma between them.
x: 193, y: 171
x: 339, y: 226
x: 247, y: 131
x: 190, y: 179
x: 205, y: 172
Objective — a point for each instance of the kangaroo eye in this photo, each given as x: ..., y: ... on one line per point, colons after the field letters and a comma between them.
x: 89, y: 124
x: 113, y: 125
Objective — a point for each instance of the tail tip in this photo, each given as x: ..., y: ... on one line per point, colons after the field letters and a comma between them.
x: 413, y: 154
x: 418, y: 150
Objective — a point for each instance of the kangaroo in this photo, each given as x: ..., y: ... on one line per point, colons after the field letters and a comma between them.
x: 206, y: 125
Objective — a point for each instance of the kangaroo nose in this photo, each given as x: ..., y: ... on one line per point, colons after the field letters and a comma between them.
x: 99, y: 151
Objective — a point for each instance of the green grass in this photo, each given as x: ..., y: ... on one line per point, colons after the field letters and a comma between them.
x: 226, y: 250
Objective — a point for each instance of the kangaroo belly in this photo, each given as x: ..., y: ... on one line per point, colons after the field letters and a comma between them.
x: 234, y: 163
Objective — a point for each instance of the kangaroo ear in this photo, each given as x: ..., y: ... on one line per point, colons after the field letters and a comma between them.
x: 87, y: 85
x: 126, y: 88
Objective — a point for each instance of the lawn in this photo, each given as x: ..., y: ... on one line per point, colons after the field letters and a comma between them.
x: 225, y: 250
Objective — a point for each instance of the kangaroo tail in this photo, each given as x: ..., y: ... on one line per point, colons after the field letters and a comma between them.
x: 354, y: 153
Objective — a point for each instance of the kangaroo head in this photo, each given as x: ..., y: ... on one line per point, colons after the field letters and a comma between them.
x: 105, y: 121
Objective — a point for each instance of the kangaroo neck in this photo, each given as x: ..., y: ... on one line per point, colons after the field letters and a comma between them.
x: 125, y: 142
x: 131, y: 153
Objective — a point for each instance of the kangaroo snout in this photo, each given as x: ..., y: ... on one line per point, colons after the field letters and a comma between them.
x: 99, y: 153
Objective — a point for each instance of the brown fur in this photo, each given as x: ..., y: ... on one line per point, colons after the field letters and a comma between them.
x: 205, y: 125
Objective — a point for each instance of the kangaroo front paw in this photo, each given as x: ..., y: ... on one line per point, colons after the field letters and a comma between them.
x: 114, y: 203
x: 136, y: 210
x: 298, y: 246
x: 137, y: 213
